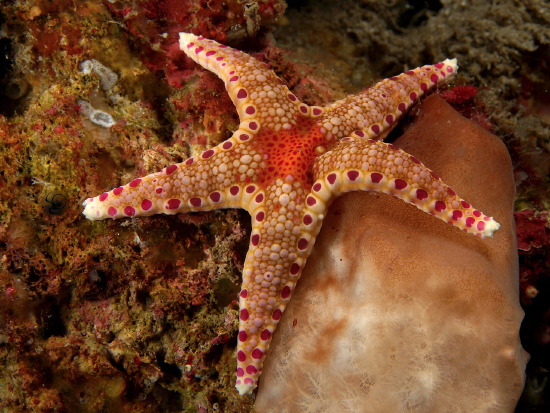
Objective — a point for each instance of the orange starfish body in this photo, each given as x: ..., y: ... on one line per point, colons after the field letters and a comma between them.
x: 284, y: 165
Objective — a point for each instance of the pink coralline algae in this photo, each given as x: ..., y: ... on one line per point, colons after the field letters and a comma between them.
x: 216, y: 19
x: 532, y: 229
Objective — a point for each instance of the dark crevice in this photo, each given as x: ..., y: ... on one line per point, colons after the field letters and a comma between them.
x: 112, y: 361
x: 48, y: 316
x: 418, y: 13
x: 170, y: 369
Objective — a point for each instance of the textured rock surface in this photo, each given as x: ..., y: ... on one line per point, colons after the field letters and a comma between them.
x: 397, y: 311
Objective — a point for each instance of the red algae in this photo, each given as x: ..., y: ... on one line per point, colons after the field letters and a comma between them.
x: 215, y: 19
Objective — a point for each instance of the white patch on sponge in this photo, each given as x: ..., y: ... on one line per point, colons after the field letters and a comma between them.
x: 107, y: 78
x: 96, y: 116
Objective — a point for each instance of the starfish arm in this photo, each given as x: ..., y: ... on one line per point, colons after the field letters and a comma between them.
x: 283, y: 235
x: 259, y: 95
x: 202, y: 183
x: 376, y: 166
x: 374, y: 112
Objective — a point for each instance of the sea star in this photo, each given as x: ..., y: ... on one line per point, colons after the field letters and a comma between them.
x: 284, y: 165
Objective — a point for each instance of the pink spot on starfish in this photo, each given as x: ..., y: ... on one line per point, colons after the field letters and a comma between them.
x: 170, y: 169
x: 146, y: 204
x: 285, y: 293
x: 376, y: 177
x: 196, y: 202
x: 173, y: 204
x: 265, y: 335
x: 457, y: 215
x: 255, y: 239
x: 277, y: 314
x: 207, y: 154
x: 421, y: 194
x: 400, y: 184
x: 440, y: 206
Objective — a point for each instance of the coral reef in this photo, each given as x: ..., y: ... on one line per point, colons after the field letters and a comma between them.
x: 142, y: 315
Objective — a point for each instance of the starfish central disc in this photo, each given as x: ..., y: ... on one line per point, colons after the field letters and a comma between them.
x: 289, y: 152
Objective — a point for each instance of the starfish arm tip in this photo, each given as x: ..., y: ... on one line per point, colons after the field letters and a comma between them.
x: 491, y: 227
x: 185, y: 38
x: 244, y: 388
x: 92, y: 211
x: 453, y: 63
